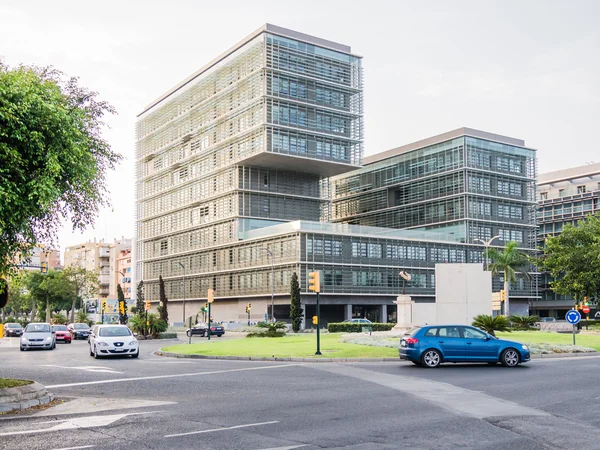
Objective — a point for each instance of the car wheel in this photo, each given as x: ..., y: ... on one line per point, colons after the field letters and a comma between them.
x: 510, y: 358
x: 136, y: 355
x: 431, y: 358
x: 96, y: 355
x: 219, y: 335
x: 188, y: 333
x: 22, y: 349
x: 91, y: 352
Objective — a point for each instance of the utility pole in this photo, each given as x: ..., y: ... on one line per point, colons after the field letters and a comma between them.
x: 314, y: 284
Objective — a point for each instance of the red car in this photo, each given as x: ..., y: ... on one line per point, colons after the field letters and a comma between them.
x: 62, y: 333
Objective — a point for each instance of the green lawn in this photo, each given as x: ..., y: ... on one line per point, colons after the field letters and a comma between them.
x: 299, y: 346
x: 9, y: 383
x: 539, y: 337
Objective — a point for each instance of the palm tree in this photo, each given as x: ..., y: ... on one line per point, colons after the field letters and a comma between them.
x: 491, y: 324
x: 523, y: 322
x: 511, y: 262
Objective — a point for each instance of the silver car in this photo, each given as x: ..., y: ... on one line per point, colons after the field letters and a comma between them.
x: 38, y: 335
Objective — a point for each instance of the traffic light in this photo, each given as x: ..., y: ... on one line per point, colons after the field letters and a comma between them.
x: 502, y: 295
x: 314, y: 281
x: 148, y: 305
x: 585, y: 301
x: 122, y: 308
x: 211, y: 295
x: 44, y: 267
x: 103, y: 305
x: 249, y: 306
x: 315, y: 320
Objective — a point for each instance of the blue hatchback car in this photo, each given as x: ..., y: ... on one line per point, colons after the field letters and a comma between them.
x: 432, y: 345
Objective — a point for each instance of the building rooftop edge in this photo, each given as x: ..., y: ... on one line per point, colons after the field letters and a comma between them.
x: 570, y: 173
x: 463, y: 131
x: 266, y: 28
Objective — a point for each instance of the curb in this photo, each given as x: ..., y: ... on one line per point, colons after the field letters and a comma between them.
x: 23, y: 397
x: 328, y: 360
x: 263, y: 358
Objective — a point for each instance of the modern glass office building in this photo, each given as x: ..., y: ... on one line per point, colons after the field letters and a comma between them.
x: 251, y: 170
x: 564, y: 197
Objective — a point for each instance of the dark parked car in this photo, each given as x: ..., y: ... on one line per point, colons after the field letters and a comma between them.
x: 201, y: 329
x: 431, y: 345
x: 13, y: 329
x: 79, y: 330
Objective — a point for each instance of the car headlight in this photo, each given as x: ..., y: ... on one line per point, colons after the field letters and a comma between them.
x: 525, y: 347
x: 24, y: 340
x: 101, y: 344
x: 133, y: 343
x: 48, y: 339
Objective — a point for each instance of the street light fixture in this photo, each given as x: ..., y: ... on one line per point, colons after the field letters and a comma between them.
x: 486, y: 244
x: 272, y: 284
x: 183, y: 267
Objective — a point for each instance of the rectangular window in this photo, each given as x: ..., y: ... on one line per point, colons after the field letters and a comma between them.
x: 374, y: 250
x: 581, y: 189
x: 359, y: 249
x: 543, y: 195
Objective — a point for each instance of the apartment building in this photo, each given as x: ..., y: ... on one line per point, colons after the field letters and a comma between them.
x: 251, y: 169
x: 564, y: 197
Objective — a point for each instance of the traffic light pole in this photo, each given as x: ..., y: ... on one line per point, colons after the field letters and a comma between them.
x: 318, y: 327
x: 208, y: 322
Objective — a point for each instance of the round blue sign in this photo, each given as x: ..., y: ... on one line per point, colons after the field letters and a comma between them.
x: 573, y: 317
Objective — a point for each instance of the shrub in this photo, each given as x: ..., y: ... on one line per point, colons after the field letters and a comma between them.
x: 59, y: 319
x: 166, y: 336
x: 276, y: 329
x: 10, y: 319
x: 523, y: 322
x: 491, y: 324
x: 346, y: 327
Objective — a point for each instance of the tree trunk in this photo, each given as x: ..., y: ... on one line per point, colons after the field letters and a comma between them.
x: 48, y: 315
x: 32, y: 311
x: 506, y: 302
x: 73, y: 310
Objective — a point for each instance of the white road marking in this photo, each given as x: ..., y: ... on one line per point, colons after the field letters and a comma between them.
x: 75, y: 448
x: 445, y: 395
x: 93, y: 369
x: 286, y: 448
x: 96, y: 404
x: 77, y: 423
x: 158, y: 377
x: 223, y: 429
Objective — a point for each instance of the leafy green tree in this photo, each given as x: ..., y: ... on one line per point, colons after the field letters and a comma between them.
x: 82, y: 317
x: 49, y: 291
x: 53, y: 159
x: 84, y: 285
x: 162, y: 296
x: 491, y: 324
x: 295, y: 303
x: 573, y: 259
x: 140, y: 306
x: 19, y: 300
x: 511, y: 262
x: 122, y: 317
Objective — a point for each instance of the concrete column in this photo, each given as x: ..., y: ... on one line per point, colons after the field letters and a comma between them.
x: 348, y: 312
x: 404, y: 314
x: 383, y: 313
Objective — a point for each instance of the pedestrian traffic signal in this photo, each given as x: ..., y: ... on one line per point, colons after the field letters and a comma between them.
x: 103, y: 305
x: 314, y: 281
x: 148, y: 305
x: 44, y: 267
x: 211, y: 295
x: 502, y: 295
x: 315, y: 320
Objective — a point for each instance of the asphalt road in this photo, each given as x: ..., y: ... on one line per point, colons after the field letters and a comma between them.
x: 162, y: 403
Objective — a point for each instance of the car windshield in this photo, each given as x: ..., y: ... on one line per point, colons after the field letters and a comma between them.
x: 114, y: 331
x: 37, y: 328
x: 59, y: 328
x: 12, y: 325
x: 80, y: 326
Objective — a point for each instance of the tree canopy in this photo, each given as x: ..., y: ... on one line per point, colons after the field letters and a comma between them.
x: 53, y: 159
x: 573, y: 259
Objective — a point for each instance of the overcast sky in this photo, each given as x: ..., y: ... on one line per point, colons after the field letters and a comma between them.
x: 526, y: 69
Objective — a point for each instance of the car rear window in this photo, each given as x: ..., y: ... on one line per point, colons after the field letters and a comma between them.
x: 413, y: 331
x: 81, y: 326
x: 59, y: 328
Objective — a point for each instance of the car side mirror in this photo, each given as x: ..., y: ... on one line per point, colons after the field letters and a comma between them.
x: 53, y: 332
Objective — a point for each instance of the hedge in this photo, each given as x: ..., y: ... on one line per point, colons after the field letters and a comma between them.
x: 358, y: 327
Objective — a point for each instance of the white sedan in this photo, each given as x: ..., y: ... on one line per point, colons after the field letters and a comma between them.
x: 113, y: 340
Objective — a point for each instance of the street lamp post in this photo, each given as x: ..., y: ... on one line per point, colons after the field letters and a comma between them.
x: 183, y: 267
x: 272, y: 284
x: 486, y: 245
